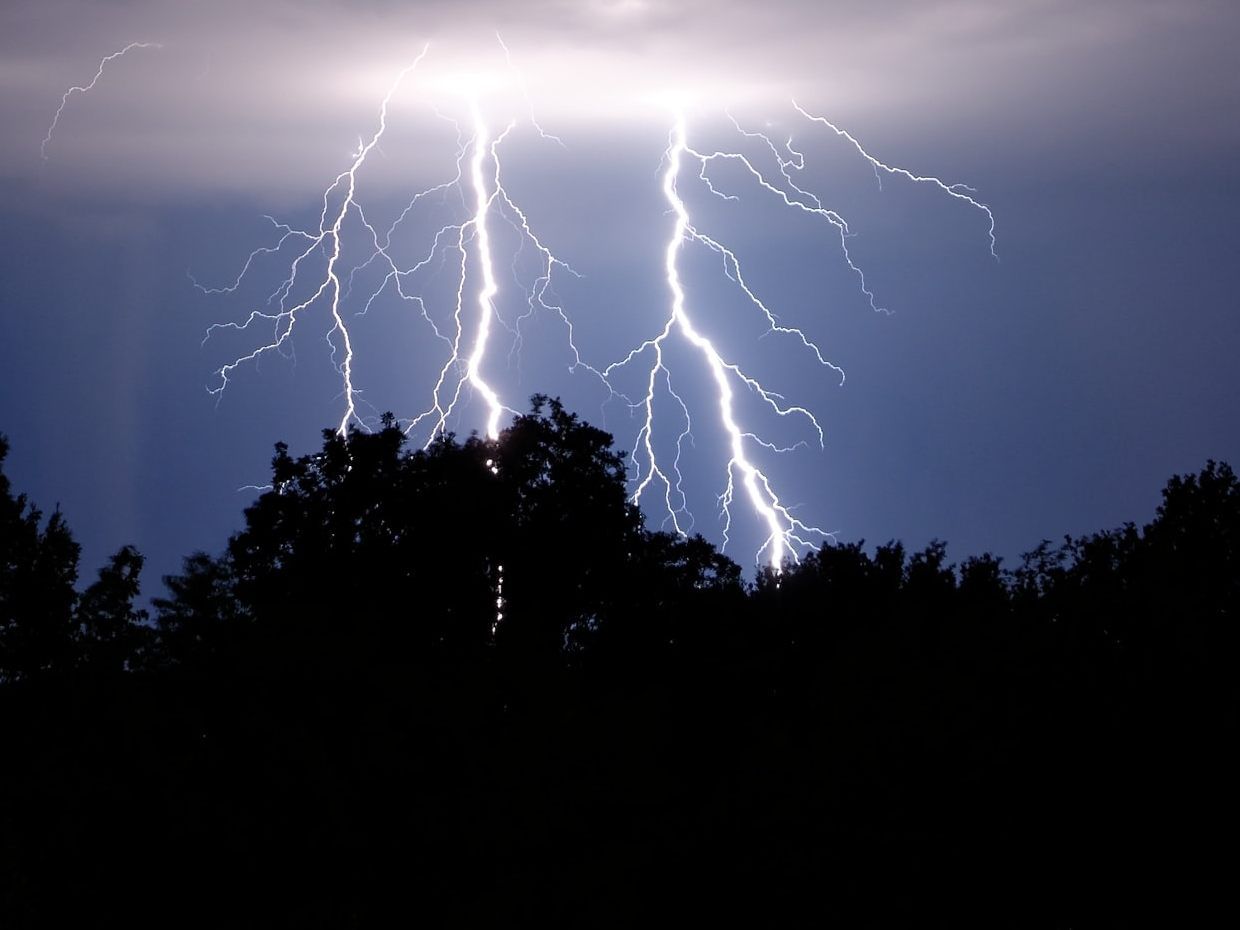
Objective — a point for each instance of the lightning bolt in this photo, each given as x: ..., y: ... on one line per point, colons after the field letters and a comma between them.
x: 786, y: 535
x: 327, y: 238
x: 478, y: 179
x: 479, y: 308
x: 489, y: 195
x: 785, y: 532
x: 77, y: 89
x: 959, y: 191
x: 486, y: 294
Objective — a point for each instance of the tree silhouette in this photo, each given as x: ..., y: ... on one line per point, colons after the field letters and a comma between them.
x: 470, y: 678
x: 528, y: 544
x: 198, y: 625
x: 112, y: 631
x: 38, y: 569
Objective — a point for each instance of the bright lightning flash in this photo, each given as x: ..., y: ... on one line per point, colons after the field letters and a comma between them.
x: 462, y: 369
x: 468, y: 335
x: 786, y: 535
x: 784, y: 531
x: 486, y: 294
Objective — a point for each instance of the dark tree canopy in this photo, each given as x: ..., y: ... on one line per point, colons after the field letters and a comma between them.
x: 528, y: 545
x: 38, y: 568
x: 466, y: 684
x: 46, y: 628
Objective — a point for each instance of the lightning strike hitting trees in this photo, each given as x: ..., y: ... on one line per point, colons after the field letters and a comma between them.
x: 317, y: 279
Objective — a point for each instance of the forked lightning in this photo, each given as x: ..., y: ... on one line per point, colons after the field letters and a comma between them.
x: 469, y: 338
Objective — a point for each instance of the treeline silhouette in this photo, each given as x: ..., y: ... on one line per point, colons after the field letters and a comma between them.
x: 467, y: 685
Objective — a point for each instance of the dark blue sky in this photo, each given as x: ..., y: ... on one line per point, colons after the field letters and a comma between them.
x: 998, y: 404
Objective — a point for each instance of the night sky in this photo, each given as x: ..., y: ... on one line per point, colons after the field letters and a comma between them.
x: 997, y: 403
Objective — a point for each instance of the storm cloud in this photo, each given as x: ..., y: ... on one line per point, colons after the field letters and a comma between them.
x: 238, y: 89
